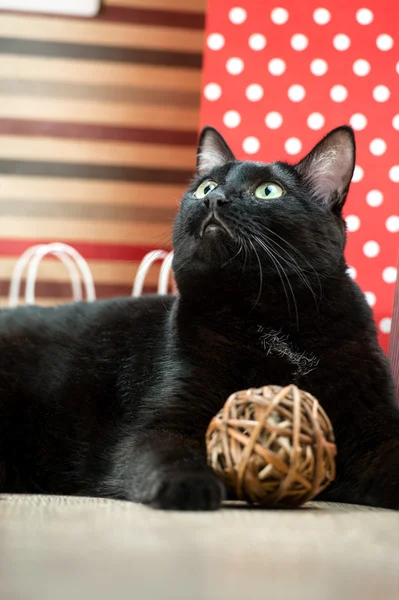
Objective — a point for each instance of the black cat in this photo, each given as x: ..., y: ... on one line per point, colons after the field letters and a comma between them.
x: 113, y: 398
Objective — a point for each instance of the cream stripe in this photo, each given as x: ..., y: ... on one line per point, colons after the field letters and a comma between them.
x: 97, y: 32
x: 160, y: 78
x: 86, y: 111
x: 86, y: 192
x: 172, y: 5
x: 144, y: 155
x: 110, y: 272
x: 146, y: 234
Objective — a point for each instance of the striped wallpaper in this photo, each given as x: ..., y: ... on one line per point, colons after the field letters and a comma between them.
x: 98, y: 126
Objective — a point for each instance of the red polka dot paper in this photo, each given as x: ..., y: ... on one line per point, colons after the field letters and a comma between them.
x: 277, y: 77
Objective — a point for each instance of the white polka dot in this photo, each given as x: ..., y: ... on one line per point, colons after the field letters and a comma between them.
x: 251, y: 145
x: 215, y: 41
x: 389, y: 274
x: 381, y: 93
x: 384, y: 42
x: 338, y: 93
x: 232, y: 118
x: 352, y: 223
x: 316, y: 121
x: 364, y: 16
x: 273, y: 120
x: 397, y: 68
x: 371, y: 249
x: 299, y: 42
x: 212, y: 91
x: 358, y: 174
x: 378, y: 147
x: 341, y: 41
x: 318, y: 66
x: 277, y: 66
x: 237, y: 15
x: 370, y: 298
x: 374, y: 198
x: 352, y: 272
x: 385, y: 325
x: 361, y: 67
x: 395, y: 122
x: 293, y: 145
x: 257, y: 41
x: 279, y: 16
x: 358, y: 121
x: 394, y: 173
x: 254, y: 92
x: 296, y: 93
x: 392, y: 224
x: 235, y: 66
x: 321, y: 16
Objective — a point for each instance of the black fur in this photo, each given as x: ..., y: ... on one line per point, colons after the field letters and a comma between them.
x: 113, y: 398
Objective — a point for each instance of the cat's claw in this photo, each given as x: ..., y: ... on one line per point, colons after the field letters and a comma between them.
x: 188, y: 491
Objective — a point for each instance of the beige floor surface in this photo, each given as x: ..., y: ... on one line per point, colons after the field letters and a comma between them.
x: 62, y: 548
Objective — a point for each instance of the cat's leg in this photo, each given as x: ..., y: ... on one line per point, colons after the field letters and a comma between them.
x: 367, y: 458
x: 165, y: 469
x: 372, y: 480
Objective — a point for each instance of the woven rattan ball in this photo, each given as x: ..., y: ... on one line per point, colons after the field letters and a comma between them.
x: 274, y: 446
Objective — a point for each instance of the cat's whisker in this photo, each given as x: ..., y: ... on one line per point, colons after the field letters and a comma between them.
x: 271, y: 232
x: 245, y: 246
x: 278, y: 258
x: 163, y: 238
x: 260, y: 275
x: 233, y: 257
x: 280, y: 268
x: 294, y: 265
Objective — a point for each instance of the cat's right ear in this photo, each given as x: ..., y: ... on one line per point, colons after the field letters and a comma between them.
x: 328, y: 168
x: 212, y: 151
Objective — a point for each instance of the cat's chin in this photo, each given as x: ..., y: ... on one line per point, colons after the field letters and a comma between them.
x: 214, y: 245
x: 213, y: 230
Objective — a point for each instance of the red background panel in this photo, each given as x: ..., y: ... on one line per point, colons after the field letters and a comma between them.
x: 232, y: 104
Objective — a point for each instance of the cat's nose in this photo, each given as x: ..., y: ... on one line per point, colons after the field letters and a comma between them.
x: 215, y: 199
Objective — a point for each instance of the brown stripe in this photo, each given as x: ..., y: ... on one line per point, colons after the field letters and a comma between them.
x: 98, y: 52
x: 192, y: 6
x: 138, y: 16
x: 91, y: 171
x: 94, y: 131
x: 166, y: 18
x: 79, y: 210
x: 65, y: 89
x: 52, y: 289
x: 90, y: 249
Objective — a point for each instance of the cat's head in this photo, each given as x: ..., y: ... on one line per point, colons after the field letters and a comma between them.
x: 260, y: 224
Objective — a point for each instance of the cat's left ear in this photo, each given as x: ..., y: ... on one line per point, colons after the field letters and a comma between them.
x: 212, y: 151
x: 328, y: 168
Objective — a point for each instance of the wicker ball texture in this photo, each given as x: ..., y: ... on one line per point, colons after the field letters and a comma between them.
x: 275, y: 446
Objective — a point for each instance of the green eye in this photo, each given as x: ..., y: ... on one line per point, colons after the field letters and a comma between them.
x: 205, y: 188
x: 268, y: 191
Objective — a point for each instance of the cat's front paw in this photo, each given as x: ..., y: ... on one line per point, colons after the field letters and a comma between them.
x: 188, y: 491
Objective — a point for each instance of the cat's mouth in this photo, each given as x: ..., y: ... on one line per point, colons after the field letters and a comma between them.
x: 214, y: 225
